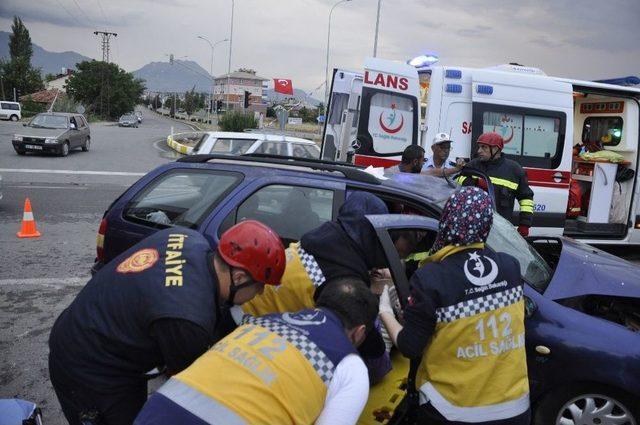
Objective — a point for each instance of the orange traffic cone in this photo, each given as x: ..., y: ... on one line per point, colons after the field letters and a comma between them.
x: 28, y: 229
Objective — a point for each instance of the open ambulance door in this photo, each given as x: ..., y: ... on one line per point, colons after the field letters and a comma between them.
x: 341, y: 119
x: 389, y: 112
x: 534, y: 115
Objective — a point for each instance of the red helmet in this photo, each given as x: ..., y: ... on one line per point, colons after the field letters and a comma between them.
x: 256, y: 248
x: 491, y: 139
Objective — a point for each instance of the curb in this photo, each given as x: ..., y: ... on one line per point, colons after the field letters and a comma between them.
x: 178, y: 147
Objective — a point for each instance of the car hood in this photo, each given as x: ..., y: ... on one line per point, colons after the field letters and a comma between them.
x: 41, y: 132
x: 585, y: 270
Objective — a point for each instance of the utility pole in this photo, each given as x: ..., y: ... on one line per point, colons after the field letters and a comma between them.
x: 230, y: 50
x: 375, y: 38
x: 106, y: 36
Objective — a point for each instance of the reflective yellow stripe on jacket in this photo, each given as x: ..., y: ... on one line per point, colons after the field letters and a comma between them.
x: 526, y: 205
x: 251, y: 373
x: 494, y: 180
x: 295, y: 292
x: 475, y: 367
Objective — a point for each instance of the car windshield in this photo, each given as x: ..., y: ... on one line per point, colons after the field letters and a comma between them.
x: 49, y: 121
x: 126, y: 117
x: 504, y: 238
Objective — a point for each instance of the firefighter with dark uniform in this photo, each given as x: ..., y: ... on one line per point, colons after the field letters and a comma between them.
x: 508, y: 177
x: 465, y: 321
x: 157, y: 304
x: 347, y: 247
x: 293, y: 368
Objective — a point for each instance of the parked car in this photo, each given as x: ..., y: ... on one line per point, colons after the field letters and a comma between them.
x: 139, y: 116
x: 128, y: 120
x: 10, y: 111
x: 582, y: 305
x: 55, y: 132
x: 214, y: 142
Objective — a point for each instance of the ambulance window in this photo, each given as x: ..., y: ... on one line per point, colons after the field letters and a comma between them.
x: 391, y: 122
x: 606, y: 130
x: 289, y: 210
x: 534, y: 138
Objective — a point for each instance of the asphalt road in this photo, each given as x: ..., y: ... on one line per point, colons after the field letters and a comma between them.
x: 40, y: 277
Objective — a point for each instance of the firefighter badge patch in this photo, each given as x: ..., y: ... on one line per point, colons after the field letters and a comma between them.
x: 139, y: 261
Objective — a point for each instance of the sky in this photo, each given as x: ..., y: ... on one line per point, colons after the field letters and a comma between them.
x: 586, y: 39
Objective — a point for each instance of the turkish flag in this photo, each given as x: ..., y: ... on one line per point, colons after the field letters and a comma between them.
x: 283, y: 86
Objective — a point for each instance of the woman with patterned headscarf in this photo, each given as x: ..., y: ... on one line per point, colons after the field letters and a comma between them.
x: 465, y: 323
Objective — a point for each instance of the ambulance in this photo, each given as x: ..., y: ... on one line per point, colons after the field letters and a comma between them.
x: 546, y: 123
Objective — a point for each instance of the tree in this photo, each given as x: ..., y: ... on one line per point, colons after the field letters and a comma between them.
x: 17, y: 72
x: 190, y: 101
x: 104, y: 88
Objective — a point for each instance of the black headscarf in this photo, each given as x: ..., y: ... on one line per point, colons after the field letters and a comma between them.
x: 349, y: 246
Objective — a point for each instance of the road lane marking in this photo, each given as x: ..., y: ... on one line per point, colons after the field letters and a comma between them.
x: 55, y: 282
x: 155, y: 145
x: 48, y: 187
x: 92, y: 173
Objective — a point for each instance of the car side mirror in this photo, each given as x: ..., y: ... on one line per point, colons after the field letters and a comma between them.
x: 530, y: 307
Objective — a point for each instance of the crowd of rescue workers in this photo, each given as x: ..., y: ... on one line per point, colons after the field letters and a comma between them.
x: 252, y: 332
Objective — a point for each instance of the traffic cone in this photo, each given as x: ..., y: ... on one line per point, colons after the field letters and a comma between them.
x: 28, y: 229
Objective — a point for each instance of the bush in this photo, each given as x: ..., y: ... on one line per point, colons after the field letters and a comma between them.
x: 237, y: 121
x: 31, y: 108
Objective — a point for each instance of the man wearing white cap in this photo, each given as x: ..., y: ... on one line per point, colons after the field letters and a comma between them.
x: 438, y: 164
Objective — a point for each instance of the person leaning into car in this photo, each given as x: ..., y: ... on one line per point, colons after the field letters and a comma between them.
x: 465, y: 322
x: 157, y: 304
x: 291, y: 368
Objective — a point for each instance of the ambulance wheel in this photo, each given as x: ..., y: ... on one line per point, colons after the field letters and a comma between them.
x: 587, y: 404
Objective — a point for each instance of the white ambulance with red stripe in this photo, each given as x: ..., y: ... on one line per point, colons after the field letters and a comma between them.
x: 373, y: 115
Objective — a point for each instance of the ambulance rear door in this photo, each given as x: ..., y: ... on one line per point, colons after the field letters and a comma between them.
x: 534, y: 115
x: 389, y: 112
x: 344, y: 97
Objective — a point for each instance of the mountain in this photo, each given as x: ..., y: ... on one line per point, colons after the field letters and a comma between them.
x: 298, y: 94
x: 179, y: 77
x: 50, y: 62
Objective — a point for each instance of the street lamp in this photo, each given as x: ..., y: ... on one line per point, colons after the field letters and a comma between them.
x: 230, y: 47
x: 213, y: 46
x: 375, y: 39
x: 326, y: 69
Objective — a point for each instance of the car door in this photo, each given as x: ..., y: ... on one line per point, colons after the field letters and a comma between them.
x: 291, y: 206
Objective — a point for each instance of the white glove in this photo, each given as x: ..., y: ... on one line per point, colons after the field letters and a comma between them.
x: 385, y: 302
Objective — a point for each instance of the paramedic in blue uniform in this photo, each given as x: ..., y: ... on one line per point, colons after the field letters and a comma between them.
x: 508, y: 177
x: 465, y: 322
x: 293, y: 368
x: 157, y: 304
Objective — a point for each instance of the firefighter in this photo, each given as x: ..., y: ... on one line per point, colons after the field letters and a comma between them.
x: 465, y: 322
x: 292, y: 368
x: 508, y: 177
x: 157, y: 304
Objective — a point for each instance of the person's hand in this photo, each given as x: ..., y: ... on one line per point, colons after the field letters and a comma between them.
x: 460, y: 164
x: 523, y: 230
x: 385, y: 302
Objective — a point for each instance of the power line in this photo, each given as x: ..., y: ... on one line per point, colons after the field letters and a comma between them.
x: 85, y: 15
x: 104, y: 15
x: 69, y: 13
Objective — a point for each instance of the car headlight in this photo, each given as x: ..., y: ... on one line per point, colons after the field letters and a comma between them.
x: 50, y: 140
x: 17, y: 138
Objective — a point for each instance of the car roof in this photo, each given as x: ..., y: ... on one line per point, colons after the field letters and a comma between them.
x: 259, y: 136
x: 62, y: 114
x: 436, y: 189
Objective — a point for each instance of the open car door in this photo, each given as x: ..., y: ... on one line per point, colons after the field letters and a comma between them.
x: 385, y: 397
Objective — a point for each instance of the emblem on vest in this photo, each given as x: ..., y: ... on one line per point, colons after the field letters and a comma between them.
x: 309, y: 318
x: 139, y: 261
x: 480, y: 270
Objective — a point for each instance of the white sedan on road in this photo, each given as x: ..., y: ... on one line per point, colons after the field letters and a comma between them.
x: 220, y: 142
